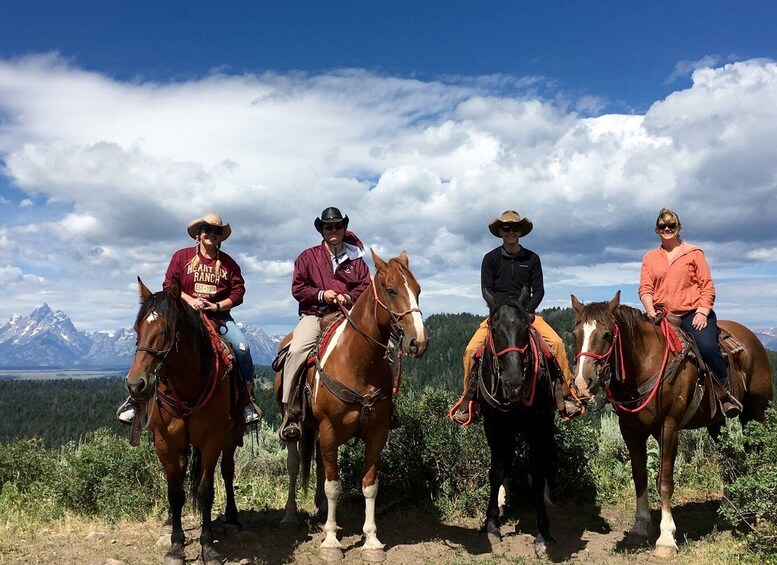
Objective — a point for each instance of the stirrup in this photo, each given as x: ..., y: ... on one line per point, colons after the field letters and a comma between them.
x: 251, y: 414
x: 731, y: 407
x: 126, y: 412
x: 464, y: 415
x: 289, y: 431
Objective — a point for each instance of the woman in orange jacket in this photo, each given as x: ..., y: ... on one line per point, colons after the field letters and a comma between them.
x: 676, y: 275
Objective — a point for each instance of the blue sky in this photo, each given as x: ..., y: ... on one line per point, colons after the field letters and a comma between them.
x: 120, y: 122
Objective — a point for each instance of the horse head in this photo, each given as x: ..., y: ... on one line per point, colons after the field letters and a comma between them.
x: 397, y: 291
x: 508, y: 343
x: 157, y: 336
x: 595, y: 334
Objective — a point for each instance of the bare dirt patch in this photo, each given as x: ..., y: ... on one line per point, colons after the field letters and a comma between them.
x: 584, y: 533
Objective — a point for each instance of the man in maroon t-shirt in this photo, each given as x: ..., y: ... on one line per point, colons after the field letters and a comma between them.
x: 325, y: 276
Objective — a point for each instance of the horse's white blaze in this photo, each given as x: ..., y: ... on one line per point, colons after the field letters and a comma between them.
x: 152, y: 317
x: 588, y: 330
x: 370, y: 529
x: 418, y: 322
x: 329, y: 349
x: 332, y: 489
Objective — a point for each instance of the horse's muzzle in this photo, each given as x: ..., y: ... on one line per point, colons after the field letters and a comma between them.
x: 415, y: 347
x: 140, y: 387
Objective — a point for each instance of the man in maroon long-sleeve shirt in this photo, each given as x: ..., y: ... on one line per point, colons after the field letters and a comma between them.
x: 325, y: 276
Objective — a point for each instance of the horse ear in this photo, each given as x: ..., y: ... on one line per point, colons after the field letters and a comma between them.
x: 174, y: 289
x: 490, y: 299
x: 525, y: 296
x: 616, y: 300
x: 403, y: 259
x: 379, y: 263
x: 144, y: 292
x: 576, y: 304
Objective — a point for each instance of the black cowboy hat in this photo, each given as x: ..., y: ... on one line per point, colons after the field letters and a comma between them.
x: 330, y: 215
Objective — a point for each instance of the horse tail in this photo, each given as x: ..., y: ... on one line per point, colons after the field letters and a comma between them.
x: 307, y: 445
x: 195, y: 473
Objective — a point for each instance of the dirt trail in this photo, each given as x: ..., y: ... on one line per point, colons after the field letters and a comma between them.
x: 585, y: 534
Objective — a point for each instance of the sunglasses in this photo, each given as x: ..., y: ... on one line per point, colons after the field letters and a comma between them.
x: 661, y: 227
x: 333, y: 227
x: 215, y: 230
x: 510, y: 229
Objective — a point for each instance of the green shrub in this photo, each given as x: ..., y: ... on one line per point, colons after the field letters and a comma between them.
x: 752, y: 489
x: 104, y: 475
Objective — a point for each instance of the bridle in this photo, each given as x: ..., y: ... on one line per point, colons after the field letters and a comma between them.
x: 603, y: 372
x: 396, y: 317
x: 530, y: 346
x: 160, y: 354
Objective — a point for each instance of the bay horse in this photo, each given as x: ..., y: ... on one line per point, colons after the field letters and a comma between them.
x: 515, y: 398
x: 350, y: 391
x: 177, y: 374
x: 655, y: 392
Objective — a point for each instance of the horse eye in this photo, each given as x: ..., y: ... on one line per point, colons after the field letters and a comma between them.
x: 608, y: 335
x: 391, y: 291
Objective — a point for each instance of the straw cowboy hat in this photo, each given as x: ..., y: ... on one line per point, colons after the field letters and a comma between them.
x: 209, y: 219
x: 510, y: 217
x: 330, y: 215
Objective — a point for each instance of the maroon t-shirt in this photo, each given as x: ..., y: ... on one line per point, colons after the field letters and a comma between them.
x: 202, y: 281
x: 314, y: 273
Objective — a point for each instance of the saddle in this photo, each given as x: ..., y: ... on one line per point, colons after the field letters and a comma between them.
x: 707, y: 384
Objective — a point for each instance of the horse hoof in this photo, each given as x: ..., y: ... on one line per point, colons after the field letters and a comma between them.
x: 494, y: 539
x: 665, y: 551
x: 373, y: 555
x: 541, y: 546
x: 330, y: 554
x: 173, y: 560
x: 289, y: 525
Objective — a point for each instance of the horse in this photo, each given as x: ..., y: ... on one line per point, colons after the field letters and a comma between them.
x: 350, y: 388
x: 656, y: 392
x: 514, y: 398
x: 180, y: 377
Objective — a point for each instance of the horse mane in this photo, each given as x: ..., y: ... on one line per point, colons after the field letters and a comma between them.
x: 177, y: 318
x: 627, y: 318
x: 509, y: 300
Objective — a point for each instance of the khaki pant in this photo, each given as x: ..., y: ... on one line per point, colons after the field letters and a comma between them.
x: 548, y: 334
x: 302, y: 343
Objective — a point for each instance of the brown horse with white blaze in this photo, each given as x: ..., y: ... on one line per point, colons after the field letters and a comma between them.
x: 655, y: 390
x: 350, y: 390
x: 177, y: 372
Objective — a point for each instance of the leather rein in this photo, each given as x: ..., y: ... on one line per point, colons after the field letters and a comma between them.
x: 490, y: 395
x: 393, y: 355
x: 613, y: 357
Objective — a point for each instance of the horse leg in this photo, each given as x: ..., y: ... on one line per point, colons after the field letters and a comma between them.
x: 228, y: 475
x: 175, y: 498
x: 208, y: 554
x: 666, y: 545
x: 636, y: 442
x: 330, y: 550
x: 502, y: 445
x: 290, y: 520
x: 539, y: 453
x: 372, y: 550
x: 319, y: 499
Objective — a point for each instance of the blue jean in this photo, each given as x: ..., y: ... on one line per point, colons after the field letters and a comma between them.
x: 707, y: 342
x: 234, y: 335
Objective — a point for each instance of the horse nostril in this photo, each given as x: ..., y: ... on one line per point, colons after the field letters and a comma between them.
x: 413, y: 345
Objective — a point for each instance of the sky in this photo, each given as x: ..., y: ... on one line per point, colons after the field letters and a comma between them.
x: 120, y: 122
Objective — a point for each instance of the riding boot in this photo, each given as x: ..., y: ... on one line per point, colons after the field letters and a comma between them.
x: 465, y: 411
x: 394, y: 422
x: 731, y: 406
x: 290, y: 430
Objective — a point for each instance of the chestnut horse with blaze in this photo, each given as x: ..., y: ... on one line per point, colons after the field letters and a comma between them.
x: 180, y: 377
x: 350, y: 390
x: 655, y: 388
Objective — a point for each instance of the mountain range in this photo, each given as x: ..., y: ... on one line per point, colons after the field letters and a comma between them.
x: 47, y: 338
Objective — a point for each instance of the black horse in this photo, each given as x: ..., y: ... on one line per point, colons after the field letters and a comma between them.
x: 515, y: 397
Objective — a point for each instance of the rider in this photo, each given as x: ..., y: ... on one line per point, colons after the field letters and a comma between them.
x: 506, y: 270
x: 676, y: 275
x: 326, y: 276
x: 211, y: 282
